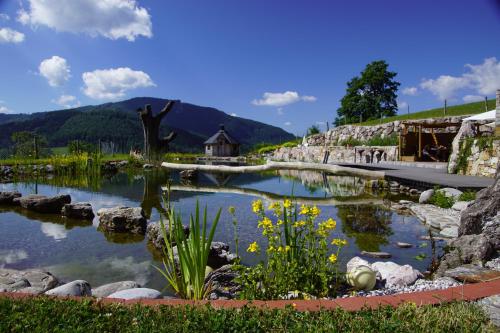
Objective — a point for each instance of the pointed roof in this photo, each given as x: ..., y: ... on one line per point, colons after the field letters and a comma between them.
x: 222, y: 131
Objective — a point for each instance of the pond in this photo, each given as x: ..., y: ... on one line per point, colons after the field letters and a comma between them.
x: 77, y: 250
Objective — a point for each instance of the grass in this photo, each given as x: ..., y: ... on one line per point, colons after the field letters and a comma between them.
x: 263, y: 148
x: 51, y: 315
x: 56, y: 158
x: 456, y: 110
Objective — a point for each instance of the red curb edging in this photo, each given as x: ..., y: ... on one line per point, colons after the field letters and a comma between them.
x: 468, y: 292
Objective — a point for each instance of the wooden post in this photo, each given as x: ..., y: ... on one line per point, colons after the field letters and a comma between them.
x: 420, y: 141
x: 445, y: 105
x: 408, y: 106
x: 399, y: 145
x: 35, y: 147
x: 485, y: 103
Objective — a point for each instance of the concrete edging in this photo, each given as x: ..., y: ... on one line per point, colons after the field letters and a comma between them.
x: 467, y: 292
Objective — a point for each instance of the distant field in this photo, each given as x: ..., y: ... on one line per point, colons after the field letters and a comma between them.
x: 456, y: 110
x: 59, y: 150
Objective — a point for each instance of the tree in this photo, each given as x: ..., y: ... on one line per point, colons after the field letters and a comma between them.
x: 79, y: 146
x: 29, y: 144
x: 370, y: 96
x: 313, y: 130
x: 153, y: 145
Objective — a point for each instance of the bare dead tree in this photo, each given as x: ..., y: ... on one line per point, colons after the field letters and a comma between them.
x: 154, y: 146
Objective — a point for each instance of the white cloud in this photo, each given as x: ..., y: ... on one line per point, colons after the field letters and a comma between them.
x: 4, y: 17
x: 8, y: 35
x: 445, y: 86
x: 112, y: 19
x: 56, y: 70
x: 402, y: 105
x: 483, y: 79
x: 4, y: 109
x: 288, y: 123
x: 67, y: 101
x: 472, y: 98
x: 234, y: 114
x: 114, y: 83
x: 410, y: 91
x: 280, y: 112
x: 282, y: 99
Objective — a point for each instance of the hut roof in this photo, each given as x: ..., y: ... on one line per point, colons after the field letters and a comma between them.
x: 213, y: 139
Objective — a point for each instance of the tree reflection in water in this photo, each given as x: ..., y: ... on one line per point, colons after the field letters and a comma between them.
x: 369, y: 225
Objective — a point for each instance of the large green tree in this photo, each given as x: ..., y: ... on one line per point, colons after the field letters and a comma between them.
x: 29, y: 144
x: 371, y: 95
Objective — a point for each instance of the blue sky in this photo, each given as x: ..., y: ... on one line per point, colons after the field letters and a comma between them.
x: 281, y: 62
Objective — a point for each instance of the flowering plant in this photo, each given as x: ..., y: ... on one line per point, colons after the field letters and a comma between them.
x: 297, y: 252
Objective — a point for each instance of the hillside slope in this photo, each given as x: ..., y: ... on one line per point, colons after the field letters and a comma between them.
x: 118, y: 122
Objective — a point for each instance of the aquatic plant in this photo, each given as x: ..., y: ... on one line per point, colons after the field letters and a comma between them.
x: 297, y: 253
x: 184, y: 265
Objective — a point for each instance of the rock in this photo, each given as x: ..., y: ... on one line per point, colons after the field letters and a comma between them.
x: 7, y: 198
x: 79, y: 210
x: 491, y: 306
x: 451, y: 192
x: 449, y: 232
x: 223, y: 283
x: 37, y: 279
x: 8, y: 285
x: 155, y: 236
x: 355, y: 262
x: 219, y: 255
x: 43, y: 204
x: 188, y: 174
x: 396, y: 275
x: 148, y: 166
x: 108, y: 289
x: 74, y: 288
x: 414, y: 191
x: 472, y: 273
x: 122, y: 219
x: 109, y: 168
x: 122, y: 164
x: 493, y: 264
x: 136, y: 293
x: 380, y: 255
x: 404, y: 245
x: 425, y: 196
x: 49, y: 168
x: 460, y: 205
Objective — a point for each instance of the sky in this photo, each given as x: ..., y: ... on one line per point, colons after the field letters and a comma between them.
x: 285, y: 63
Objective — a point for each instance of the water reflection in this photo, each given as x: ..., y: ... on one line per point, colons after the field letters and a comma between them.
x: 370, y: 226
x: 12, y: 256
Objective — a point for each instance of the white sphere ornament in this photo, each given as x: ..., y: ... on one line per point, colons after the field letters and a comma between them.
x: 362, y: 278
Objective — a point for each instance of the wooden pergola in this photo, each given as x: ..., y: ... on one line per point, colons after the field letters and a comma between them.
x: 414, y: 131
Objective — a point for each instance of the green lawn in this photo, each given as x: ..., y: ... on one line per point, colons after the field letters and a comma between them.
x: 456, y: 110
x: 48, y: 315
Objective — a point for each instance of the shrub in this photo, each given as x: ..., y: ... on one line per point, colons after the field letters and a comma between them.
x: 297, y: 254
x: 441, y: 200
x: 378, y: 140
x: 467, y: 196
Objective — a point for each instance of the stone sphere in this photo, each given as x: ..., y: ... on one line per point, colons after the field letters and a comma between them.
x: 362, y: 278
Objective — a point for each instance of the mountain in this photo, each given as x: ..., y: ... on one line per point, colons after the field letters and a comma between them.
x: 119, y: 123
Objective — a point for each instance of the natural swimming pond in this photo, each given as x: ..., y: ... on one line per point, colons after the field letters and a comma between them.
x: 77, y: 250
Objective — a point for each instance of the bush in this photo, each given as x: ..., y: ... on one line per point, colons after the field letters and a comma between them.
x: 298, y: 257
x: 467, y: 196
x: 441, y: 200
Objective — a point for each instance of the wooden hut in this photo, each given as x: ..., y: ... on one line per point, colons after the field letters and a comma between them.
x: 221, y: 144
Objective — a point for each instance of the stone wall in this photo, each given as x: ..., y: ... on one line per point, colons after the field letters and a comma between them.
x: 315, y: 154
x: 364, y: 133
x: 483, y: 162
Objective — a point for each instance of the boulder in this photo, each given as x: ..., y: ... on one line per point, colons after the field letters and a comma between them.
x: 425, y: 196
x: 491, y: 306
x: 49, y: 168
x: 379, y: 255
x: 40, y: 281
x: 43, y: 204
x: 460, y: 205
x: 111, y: 288
x: 122, y: 219
x: 109, y: 168
x: 223, y: 283
x: 355, y: 262
x: 188, y: 174
x: 136, y: 293
x: 74, y: 288
x: 122, y: 164
x: 219, y: 255
x: 451, y: 192
x: 148, y: 166
x: 472, y: 273
x: 7, y: 198
x: 396, y: 275
x: 449, y: 231
x: 404, y: 245
x: 155, y: 236
x: 79, y: 210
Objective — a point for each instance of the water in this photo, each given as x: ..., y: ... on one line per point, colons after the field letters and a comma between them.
x: 72, y: 249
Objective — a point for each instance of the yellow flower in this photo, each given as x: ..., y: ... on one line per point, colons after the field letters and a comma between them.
x: 287, y: 203
x: 315, y: 211
x: 287, y: 248
x: 280, y: 222
x: 339, y: 242
x: 265, y: 223
x: 330, y: 224
x: 332, y: 258
x: 257, y: 206
x: 281, y: 248
x: 274, y: 206
x: 304, y: 210
x: 270, y: 249
x: 253, y: 247
x: 299, y: 224
x: 231, y: 210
